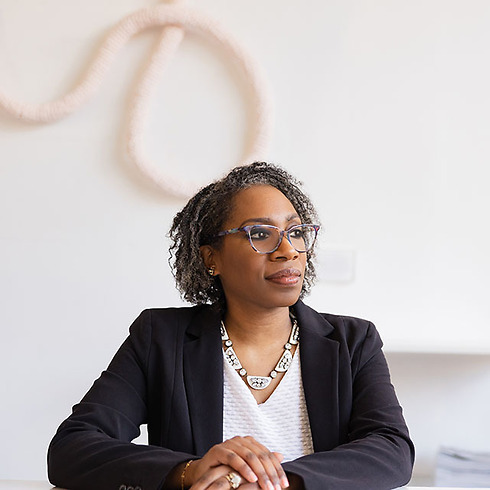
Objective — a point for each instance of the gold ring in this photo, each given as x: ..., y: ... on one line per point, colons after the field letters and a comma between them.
x: 233, y: 479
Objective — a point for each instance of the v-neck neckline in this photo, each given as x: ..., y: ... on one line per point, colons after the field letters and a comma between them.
x: 243, y: 385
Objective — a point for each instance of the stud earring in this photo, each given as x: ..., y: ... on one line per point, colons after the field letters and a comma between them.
x: 211, y: 270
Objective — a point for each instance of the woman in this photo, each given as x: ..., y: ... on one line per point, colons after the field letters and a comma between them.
x: 251, y: 388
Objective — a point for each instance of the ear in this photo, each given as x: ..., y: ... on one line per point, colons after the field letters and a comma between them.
x: 208, y: 254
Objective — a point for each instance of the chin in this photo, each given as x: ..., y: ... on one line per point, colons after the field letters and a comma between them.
x: 288, y: 298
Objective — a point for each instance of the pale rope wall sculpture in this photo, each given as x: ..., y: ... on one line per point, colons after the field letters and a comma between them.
x: 175, y: 19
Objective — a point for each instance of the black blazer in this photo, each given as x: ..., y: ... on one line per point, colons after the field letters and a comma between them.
x: 169, y: 374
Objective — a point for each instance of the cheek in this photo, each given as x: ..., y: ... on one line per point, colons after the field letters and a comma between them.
x: 241, y: 268
x: 241, y: 264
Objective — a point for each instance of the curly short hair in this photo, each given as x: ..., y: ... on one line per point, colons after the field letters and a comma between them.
x: 203, y: 217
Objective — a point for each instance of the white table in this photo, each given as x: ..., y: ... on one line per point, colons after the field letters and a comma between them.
x: 24, y: 485
x: 43, y: 485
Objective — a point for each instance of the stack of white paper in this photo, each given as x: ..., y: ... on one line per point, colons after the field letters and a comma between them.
x: 461, y: 468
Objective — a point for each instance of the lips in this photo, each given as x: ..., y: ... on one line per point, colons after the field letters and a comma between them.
x: 286, y: 277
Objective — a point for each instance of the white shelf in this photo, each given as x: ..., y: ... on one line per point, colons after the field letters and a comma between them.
x: 417, y: 347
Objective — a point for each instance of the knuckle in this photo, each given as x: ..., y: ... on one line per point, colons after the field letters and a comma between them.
x: 263, y: 455
x: 230, y: 457
x: 213, y: 450
x: 250, y: 456
x: 204, y: 479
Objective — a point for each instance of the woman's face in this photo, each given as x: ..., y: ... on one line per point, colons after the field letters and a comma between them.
x: 250, y: 279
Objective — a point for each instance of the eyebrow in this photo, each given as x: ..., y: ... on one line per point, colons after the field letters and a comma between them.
x: 268, y: 221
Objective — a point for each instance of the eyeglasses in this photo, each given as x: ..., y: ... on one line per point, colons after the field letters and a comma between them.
x: 266, y: 239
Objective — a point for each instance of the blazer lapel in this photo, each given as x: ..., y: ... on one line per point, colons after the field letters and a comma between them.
x: 319, y: 369
x: 203, y: 377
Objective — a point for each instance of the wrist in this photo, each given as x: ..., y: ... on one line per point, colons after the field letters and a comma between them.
x: 185, y: 480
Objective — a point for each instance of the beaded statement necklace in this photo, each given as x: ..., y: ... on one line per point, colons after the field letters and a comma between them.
x: 261, y: 382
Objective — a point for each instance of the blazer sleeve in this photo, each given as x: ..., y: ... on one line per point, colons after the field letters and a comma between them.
x: 92, y: 449
x: 377, y: 452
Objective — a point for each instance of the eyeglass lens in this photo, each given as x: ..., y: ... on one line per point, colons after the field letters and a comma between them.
x: 266, y: 239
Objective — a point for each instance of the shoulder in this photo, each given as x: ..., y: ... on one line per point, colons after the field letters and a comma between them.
x: 346, y: 323
x: 170, y: 316
x: 330, y: 324
x: 161, y: 323
x: 352, y: 333
x: 360, y: 336
x: 350, y: 327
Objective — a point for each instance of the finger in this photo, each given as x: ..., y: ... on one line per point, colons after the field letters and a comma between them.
x: 221, y: 484
x: 232, y: 455
x: 217, y: 457
x: 249, y: 486
x: 272, y: 463
x: 282, y: 474
x: 276, y: 461
x: 211, y: 475
x: 265, y: 464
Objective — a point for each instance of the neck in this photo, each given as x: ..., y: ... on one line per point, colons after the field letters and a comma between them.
x: 257, y: 326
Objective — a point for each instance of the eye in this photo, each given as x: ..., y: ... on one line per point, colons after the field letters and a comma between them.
x: 297, y: 233
x: 259, y: 233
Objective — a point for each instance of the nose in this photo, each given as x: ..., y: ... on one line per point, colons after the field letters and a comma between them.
x: 285, y: 251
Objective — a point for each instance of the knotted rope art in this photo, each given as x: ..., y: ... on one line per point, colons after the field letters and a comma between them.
x: 174, y: 19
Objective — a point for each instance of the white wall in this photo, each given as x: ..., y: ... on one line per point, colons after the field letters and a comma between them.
x: 381, y: 109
